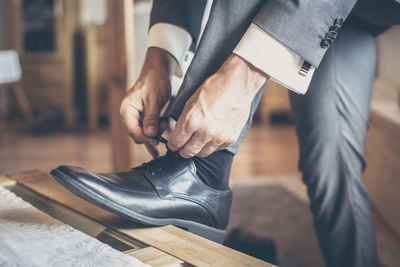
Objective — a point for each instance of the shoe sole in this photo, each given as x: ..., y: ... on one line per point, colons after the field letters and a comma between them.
x: 202, y: 230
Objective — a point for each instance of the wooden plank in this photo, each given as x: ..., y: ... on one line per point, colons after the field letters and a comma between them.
x: 187, y: 247
x: 5, y: 181
x: 155, y: 257
x: 120, y: 51
x: 45, y: 185
x: 23, y: 177
x: 191, y: 248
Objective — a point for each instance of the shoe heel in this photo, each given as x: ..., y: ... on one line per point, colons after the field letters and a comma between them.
x: 209, y: 233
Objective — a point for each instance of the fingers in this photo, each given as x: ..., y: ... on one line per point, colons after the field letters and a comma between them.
x: 209, y: 148
x: 141, y: 118
x: 202, y: 145
x: 163, y: 125
x: 184, y: 129
x: 135, y: 131
x: 151, y: 119
x: 195, y: 144
x: 130, y: 114
x: 153, y: 150
x: 225, y: 145
x: 191, y: 138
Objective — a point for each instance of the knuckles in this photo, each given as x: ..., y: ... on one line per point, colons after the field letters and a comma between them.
x: 151, y: 118
x: 192, y: 124
x: 185, y: 154
x: 203, y: 154
x: 229, y: 141
x: 172, y: 144
x: 206, y: 152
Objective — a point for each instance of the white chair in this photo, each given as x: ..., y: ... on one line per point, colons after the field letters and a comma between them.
x: 10, y: 77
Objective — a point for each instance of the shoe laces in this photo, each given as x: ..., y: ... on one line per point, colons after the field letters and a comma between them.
x: 154, y: 165
x: 164, y: 141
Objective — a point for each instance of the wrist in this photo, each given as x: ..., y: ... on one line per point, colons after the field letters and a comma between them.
x: 158, y: 62
x: 241, y: 68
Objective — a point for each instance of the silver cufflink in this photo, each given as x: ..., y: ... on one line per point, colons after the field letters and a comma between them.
x: 305, y: 68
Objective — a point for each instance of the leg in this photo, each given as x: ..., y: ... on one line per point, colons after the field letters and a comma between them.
x: 332, y: 122
x: 23, y: 102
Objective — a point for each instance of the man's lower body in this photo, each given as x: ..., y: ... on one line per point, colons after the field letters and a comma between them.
x: 332, y: 122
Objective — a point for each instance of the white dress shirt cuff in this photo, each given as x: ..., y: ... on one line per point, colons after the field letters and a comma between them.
x: 273, y: 58
x: 175, y: 40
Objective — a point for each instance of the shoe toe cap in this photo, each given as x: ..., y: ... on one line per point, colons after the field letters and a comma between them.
x: 75, y: 175
x: 104, y: 183
x: 72, y: 171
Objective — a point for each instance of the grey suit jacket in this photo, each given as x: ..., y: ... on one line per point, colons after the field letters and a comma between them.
x: 301, y: 25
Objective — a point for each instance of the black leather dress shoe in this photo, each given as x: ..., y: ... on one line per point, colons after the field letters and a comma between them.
x: 164, y: 191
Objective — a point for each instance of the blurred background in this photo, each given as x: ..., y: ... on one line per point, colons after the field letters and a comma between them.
x: 65, y: 66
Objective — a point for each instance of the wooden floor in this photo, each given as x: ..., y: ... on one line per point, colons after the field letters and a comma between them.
x: 23, y: 151
x: 266, y: 151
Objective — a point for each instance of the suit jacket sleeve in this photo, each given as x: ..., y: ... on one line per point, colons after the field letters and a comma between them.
x: 303, y: 25
x: 186, y: 14
x: 175, y: 27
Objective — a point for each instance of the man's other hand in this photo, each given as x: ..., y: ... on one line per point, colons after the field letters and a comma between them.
x: 146, y: 99
x: 214, y: 116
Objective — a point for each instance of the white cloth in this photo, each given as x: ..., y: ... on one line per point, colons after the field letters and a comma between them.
x: 279, y: 62
x: 173, y: 39
x: 256, y: 47
x: 29, y: 237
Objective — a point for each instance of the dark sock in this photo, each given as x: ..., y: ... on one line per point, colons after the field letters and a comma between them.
x: 215, y: 169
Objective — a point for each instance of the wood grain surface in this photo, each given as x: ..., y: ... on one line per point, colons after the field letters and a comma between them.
x: 170, y: 240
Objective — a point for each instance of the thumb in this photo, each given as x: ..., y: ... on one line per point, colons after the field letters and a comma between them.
x: 151, y: 119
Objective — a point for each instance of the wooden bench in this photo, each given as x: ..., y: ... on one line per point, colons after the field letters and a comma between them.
x: 157, y: 246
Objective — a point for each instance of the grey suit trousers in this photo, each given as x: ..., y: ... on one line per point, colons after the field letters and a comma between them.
x: 332, y: 122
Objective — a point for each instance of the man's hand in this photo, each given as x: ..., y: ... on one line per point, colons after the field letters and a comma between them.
x: 214, y: 116
x: 146, y: 99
